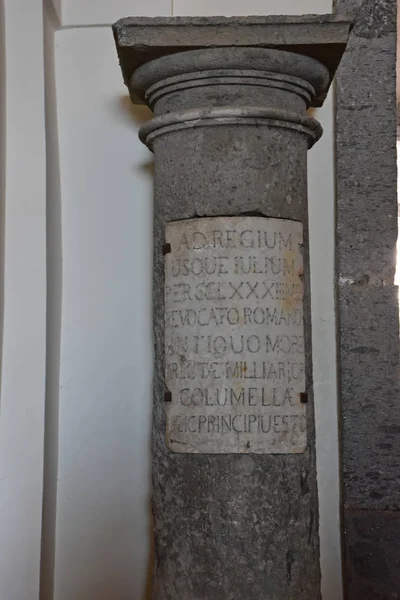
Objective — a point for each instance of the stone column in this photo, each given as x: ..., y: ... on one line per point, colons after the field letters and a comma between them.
x: 368, y: 302
x: 235, y: 495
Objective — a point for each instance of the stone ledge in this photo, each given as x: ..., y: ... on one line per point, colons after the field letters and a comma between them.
x: 140, y: 40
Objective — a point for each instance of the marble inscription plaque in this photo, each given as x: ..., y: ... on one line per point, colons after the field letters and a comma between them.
x: 234, y: 339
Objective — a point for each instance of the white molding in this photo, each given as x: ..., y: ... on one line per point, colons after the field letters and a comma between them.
x: 54, y: 311
x: 80, y: 13
x: 24, y: 329
x: 55, y: 7
x: 321, y: 202
x: 250, y: 7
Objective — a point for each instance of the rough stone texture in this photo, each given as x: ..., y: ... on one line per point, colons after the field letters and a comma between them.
x: 370, y: 396
x: 142, y: 39
x: 231, y: 527
x: 372, y: 559
x: 366, y: 142
x: 368, y: 300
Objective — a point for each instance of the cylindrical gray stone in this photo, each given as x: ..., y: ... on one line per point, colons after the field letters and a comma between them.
x: 230, y: 137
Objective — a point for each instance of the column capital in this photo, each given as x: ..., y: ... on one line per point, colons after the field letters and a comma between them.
x: 142, y: 40
x: 202, y: 72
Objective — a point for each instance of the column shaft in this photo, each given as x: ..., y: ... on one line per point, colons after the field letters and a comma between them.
x: 232, y: 526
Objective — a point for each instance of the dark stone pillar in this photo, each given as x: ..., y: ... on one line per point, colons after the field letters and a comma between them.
x: 230, y: 138
x: 368, y: 301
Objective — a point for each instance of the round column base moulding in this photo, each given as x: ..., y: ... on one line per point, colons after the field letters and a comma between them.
x: 215, y: 117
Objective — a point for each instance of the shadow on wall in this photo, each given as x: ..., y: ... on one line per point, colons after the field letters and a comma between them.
x: 138, y: 115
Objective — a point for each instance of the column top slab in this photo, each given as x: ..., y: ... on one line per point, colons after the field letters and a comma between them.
x: 142, y: 39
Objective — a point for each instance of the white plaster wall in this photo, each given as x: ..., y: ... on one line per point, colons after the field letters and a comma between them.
x: 321, y: 198
x: 99, y: 212
x: 250, y: 7
x: 102, y: 231
x: 24, y: 304
x: 104, y: 12
x: 102, y: 520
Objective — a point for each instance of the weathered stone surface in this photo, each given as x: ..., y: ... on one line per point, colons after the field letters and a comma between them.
x: 366, y: 160
x: 367, y: 235
x: 347, y: 7
x: 231, y: 526
x: 370, y: 392
x: 140, y: 39
x: 234, y: 336
x: 218, y: 520
x: 230, y: 143
x: 368, y: 302
x: 372, y: 18
x: 372, y: 557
